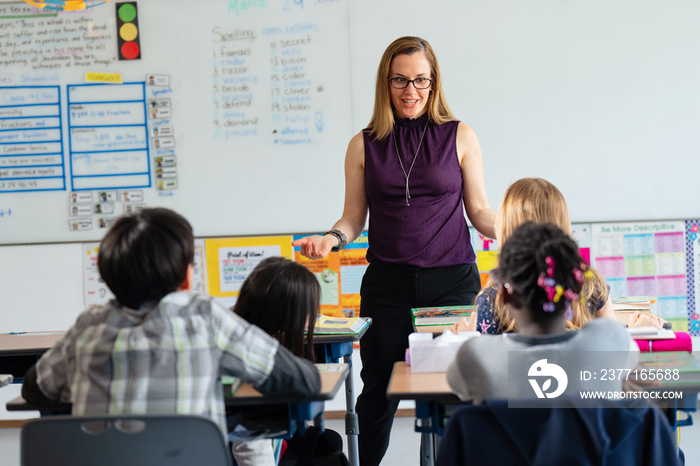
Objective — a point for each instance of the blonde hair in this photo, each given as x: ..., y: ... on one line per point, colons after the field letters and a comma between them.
x: 382, y: 120
x: 537, y: 200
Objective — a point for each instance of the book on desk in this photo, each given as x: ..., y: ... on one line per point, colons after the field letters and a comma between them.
x: 438, y: 318
x: 230, y: 384
x: 669, y: 361
x: 327, y: 325
x: 625, y: 306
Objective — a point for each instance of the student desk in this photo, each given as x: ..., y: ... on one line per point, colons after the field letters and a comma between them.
x: 332, y: 376
x: 434, y: 401
x: 20, y: 351
x: 334, y: 347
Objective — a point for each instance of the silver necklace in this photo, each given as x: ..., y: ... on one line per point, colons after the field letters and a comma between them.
x: 407, y: 175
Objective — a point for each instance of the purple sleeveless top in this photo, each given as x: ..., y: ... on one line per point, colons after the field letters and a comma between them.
x: 432, y: 231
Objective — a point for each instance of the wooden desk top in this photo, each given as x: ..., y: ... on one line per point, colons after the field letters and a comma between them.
x: 37, y: 343
x: 30, y: 343
x: 405, y: 385
x: 332, y: 377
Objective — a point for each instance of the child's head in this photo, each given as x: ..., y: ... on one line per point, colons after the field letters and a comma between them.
x: 531, y: 200
x: 281, y: 297
x: 537, y: 200
x: 146, y: 255
x: 541, y: 271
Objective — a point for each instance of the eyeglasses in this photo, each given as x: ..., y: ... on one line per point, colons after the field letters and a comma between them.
x: 418, y: 83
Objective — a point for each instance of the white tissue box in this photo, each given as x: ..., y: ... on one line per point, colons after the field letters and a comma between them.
x: 435, y: 355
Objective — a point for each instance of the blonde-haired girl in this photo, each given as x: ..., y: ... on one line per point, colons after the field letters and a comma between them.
x: 536, y: 200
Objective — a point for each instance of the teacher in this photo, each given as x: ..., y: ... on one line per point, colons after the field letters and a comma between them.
x: 414, y: 168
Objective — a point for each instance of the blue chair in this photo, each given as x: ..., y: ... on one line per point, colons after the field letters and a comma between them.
x: 134, y: 440
x: 612, y: 433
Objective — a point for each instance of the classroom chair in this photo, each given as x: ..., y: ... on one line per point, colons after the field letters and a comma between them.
x: 613, y: 433
x: 136, y: 440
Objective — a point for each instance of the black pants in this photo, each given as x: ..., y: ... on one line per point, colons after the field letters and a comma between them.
x: 388, y: 293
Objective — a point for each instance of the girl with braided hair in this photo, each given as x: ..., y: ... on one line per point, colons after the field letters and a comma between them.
x: 541, y: 276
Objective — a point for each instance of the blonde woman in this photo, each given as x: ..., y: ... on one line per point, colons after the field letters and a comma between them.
x: 415, y: 169
x: 535, y: 200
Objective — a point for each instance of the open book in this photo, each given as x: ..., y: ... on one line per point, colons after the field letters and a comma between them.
x: 327, y: 325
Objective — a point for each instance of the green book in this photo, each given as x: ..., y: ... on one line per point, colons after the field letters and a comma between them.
x: 230, y: 384
x: 440, y: 315
x: 668, y: 362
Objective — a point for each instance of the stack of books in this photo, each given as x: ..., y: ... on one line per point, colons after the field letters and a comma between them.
x: 625, y: 306
x: 436, y: 319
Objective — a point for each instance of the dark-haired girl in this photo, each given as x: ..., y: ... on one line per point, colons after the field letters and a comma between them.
x: 540, y: 275
x: 282, y: 298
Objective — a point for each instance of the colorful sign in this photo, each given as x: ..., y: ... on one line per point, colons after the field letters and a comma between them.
x: 229, y: 261
x: 340, y: 275
x: 645, y: 259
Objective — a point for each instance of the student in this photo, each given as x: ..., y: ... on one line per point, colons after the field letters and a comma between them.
x: 540, y: 276
x: 535, y: 200
x: 157, y: 348
x: 281, y: 297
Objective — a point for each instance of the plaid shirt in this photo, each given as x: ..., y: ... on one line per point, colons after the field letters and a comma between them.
x: 167, y: 359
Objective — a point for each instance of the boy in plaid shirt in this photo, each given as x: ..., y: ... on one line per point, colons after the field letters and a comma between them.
x: 158, y: 348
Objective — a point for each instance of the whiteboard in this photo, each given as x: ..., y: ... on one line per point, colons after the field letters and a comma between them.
x: 41, y: 287
x: 600, y: 98
x: 257, y: 104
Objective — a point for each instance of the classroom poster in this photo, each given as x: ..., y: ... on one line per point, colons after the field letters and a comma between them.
x: 228, y: 261
x: 199, y: 284
x: 486, y: 250
x: 340, y: 276
x: 645, y: 259
x: 327, y: 272
x: 581, y: 232
x: 692, y: 245
x: 95, y: 290
x: 353, y: 264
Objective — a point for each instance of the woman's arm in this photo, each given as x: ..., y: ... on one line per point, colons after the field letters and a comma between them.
x: 355, y: 211
x: 480, y: 213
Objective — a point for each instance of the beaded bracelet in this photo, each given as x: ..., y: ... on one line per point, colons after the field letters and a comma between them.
x: 342, y: 239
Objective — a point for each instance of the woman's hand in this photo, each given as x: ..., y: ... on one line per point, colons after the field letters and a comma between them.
x: 466, y: 326
x: 316, y: 247
x: 638, y: 319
